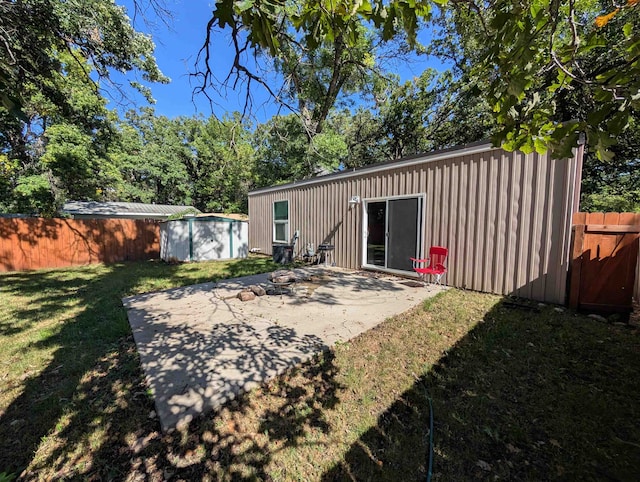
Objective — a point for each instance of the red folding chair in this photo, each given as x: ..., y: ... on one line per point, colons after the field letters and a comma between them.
x: 434, y: 265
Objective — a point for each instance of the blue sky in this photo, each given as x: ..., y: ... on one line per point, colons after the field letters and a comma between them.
x: 177, y: 47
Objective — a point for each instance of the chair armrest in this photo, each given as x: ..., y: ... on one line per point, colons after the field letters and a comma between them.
x: 418, y: 261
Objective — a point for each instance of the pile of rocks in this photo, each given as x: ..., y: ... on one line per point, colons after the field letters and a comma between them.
x: 283, y: 276
x: 280, y: 277
x: 251, y: 292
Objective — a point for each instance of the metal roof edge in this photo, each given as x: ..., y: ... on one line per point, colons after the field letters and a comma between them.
x: 123, y: 214
x: 120, y: 208
x: 467, y: 149
x: 204, y: 217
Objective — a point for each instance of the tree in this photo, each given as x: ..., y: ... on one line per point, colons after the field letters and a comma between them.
x: 520, y: 43
x: 285, y: 154
x: 316, y: 77
x: 34, y: 33
x: 56, y: 151
x: 614, y: 184
x: 186, y: 160
x: 55, y: 59
x: 153, y: 158
x: 429, y: 112
x: 362, y: 133
x: 314, y: 74
x: 607, y: 184
x: 223, y: 164
x: 536, y: 51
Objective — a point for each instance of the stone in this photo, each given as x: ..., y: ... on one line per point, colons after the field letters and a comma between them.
x: 282, y: 276
x: 257, y: 290
x: 281, y: 279
x: 598, y: 318
x: 559, y: 310
x: 246, y: 296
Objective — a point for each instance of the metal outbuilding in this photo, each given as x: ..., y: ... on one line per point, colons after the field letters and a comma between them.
x: 204, y: 237
x: 505, y: 217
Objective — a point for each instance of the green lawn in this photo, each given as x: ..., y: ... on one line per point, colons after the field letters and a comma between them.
x: 518, y: 394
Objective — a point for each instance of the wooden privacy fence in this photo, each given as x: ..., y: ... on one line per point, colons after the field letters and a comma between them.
x: 604, y: 261
x: 36, y: 243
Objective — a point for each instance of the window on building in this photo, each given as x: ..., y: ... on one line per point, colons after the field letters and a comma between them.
x: 281, y: 221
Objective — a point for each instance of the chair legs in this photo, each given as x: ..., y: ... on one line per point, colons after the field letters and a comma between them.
x: 434, y: 279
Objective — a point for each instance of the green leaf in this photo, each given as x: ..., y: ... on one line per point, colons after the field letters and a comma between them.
x: 597, y: 116
x: 527, y: 147
x: 223, y: 13
x: 365, y: 8
x: 242, y: 5
x: 14, y: 106
x: 540, y: 145
x: 591, y: 42
x: 509, y: 146
x: 618, y: 123
x: 535, y: 8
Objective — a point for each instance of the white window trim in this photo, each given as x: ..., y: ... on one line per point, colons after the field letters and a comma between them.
x: 280, y: 221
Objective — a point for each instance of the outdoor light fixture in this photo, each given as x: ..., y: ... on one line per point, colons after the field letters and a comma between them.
x: 353, y: 201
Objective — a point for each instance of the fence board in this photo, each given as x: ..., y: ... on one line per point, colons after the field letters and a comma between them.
x: 36, y: 243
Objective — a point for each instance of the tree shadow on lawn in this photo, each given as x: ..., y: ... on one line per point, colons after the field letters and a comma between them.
x: 85, y: 412
x: 523, y: 396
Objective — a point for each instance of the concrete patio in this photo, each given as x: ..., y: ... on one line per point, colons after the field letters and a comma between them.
x: 200, y: 346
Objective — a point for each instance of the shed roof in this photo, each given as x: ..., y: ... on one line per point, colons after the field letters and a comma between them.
x: 234, y: 216
x: 213, y: 216
x: 95, y: 208
x: 472, y: 148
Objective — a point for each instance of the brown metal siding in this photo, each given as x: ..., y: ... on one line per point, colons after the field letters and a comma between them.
x: 505, y: 217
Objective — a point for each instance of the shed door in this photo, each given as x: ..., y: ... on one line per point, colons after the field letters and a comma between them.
x: 393, y: 229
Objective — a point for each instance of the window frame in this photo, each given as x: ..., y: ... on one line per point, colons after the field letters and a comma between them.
x: 284, y: 222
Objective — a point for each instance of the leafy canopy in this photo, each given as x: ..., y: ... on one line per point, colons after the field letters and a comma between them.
x: 520, y: 43
x: 539, y: 49
x: 33, y: 33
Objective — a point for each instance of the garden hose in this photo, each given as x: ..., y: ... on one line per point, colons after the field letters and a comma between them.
x: 429, y: 471
x: 430, y: 468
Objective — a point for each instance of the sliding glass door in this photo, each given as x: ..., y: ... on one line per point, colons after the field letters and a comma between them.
x: 393, y: 232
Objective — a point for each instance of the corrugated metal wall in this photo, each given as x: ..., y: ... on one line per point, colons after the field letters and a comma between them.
x: 505, y: 217
x: 202, y: 239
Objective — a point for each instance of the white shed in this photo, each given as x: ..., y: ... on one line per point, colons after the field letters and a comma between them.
x: 204, y: 238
